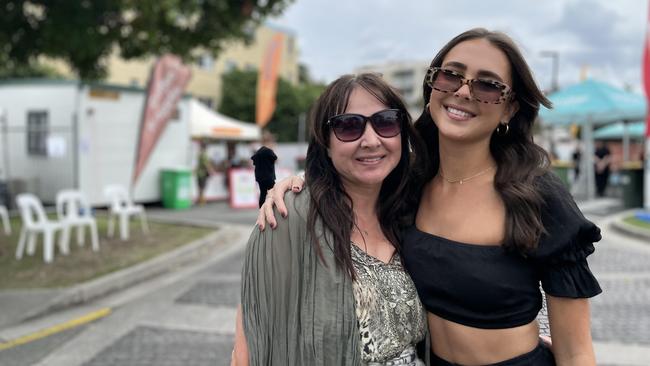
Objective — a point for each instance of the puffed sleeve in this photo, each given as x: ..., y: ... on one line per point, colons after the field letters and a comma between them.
x: 561, y: 256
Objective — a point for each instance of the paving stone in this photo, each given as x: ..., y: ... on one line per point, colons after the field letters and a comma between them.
x: 215, y: 294
x: 608, y: 259
x: 229, y: 265
x: 621, y: 313
x: 150, y: 346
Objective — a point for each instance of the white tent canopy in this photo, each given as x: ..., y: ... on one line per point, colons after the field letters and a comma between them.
x: 206, y: 123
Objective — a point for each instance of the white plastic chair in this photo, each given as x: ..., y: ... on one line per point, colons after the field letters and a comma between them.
x: 73, y: 209
x: 34, y: 222
x: 123, y: 208
x: 4, y: 215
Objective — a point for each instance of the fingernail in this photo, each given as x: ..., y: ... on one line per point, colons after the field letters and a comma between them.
x: 260, y: 227
x: 284, y: 214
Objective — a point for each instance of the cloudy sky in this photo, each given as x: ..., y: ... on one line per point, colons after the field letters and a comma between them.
x: 336, y: 36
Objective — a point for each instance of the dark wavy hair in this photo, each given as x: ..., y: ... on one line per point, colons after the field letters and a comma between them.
x: 329, y: 201
x: 519, y: 160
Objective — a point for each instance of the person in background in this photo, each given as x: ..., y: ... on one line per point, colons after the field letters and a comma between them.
x: 264, y: 161
x: 203, y: 171
x: 575, y: 158
x: 602, y: 161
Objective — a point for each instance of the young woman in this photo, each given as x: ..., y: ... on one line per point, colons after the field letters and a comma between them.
x: 491, y: 221
x: 328, y: 287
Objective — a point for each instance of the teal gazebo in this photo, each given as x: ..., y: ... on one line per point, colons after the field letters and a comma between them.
x: 591, y: 104
x: 621, y: 131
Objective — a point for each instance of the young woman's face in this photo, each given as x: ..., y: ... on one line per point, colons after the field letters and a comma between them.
x: 368, y: 160
x: 458, y: 115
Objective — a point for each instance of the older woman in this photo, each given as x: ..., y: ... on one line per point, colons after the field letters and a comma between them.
x: 327, y: 287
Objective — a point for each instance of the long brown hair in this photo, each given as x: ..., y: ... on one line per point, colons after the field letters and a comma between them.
x: 520, y: 161
x: 329, y: 201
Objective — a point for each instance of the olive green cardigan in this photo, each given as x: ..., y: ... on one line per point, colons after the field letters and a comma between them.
x: 296, y: 311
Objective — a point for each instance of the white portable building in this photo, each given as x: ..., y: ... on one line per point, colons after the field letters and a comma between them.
x: 59, y: 134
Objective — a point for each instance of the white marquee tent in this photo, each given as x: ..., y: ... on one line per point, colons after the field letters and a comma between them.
x: 208, y: 124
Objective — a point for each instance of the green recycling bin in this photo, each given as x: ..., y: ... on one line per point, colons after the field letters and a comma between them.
x: 632, y: 182
x: 561, y: 169
x: 176, y: 188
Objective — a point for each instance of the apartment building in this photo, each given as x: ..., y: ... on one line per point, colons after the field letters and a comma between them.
x: 406, y: 77
x: 205, y: 84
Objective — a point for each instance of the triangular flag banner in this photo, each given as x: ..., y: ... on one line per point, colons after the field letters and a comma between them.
x: 167, y: 83
x: 267, y: 81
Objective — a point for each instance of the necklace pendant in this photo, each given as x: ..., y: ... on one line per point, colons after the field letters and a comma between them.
x: 461, y: 182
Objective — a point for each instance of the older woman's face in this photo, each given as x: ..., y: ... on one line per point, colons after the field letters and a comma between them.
x: 368, y: 160
x: 459, y: 116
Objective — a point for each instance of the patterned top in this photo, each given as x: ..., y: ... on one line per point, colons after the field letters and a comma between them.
x: 389, y: 312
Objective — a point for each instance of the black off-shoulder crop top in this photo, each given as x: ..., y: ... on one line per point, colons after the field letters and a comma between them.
x: 487, y: 287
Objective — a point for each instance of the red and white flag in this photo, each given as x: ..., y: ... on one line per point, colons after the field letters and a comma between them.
x: 646, y: 72
x: 646, y: 85
x: 167, y: 83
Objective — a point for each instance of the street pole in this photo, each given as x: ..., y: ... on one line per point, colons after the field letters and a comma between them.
x: 555, y: 57
x: 6, y: 176
x: 301, y: 127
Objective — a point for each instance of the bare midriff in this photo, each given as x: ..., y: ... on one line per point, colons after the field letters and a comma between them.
x: 466, y: 345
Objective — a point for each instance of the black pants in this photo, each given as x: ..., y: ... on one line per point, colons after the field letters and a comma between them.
x: 601, y: 183
x: 265, y: 185
x: 540, y: 356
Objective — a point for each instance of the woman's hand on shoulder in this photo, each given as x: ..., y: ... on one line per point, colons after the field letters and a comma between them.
x: 275, y: 197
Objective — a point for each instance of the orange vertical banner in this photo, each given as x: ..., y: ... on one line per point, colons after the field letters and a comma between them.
x: 267, y: 81
x: 167, y: 83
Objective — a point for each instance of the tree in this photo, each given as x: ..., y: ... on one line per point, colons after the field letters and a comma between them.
x: 83, y: 33
x: 238, y: 101
x: 28, y: 70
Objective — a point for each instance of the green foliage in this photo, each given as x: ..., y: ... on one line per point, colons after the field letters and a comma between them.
x: 238, y: 101
x: 84, y: 32
x: 238, y: 97
x: 26, y: 70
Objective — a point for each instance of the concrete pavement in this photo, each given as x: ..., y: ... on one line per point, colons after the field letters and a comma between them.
x: 620, y: 316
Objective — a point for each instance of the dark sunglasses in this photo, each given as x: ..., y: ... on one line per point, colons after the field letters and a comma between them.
x: 483, y: 90
x: 349, y: 127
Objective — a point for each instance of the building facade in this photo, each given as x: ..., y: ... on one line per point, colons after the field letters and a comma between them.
x: 205, y: 84
x: 406, y: 77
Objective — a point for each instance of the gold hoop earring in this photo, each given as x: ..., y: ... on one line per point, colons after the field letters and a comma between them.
x: 502, y: 132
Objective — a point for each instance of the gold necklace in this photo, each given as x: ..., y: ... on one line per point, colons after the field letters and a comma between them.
x: 462, y: 180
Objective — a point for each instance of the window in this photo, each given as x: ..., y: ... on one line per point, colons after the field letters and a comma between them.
x: 37, y: 133
x: 230, y: 65
x: 206, y: 61
x: 404, y: 79
x: 403, y: 74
